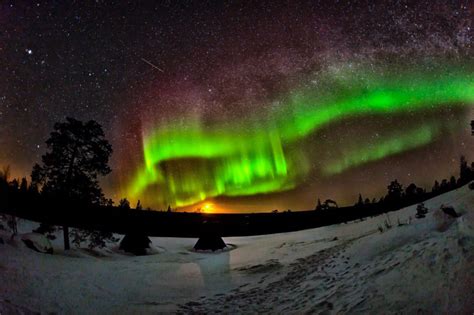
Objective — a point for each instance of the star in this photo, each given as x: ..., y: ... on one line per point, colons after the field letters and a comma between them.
x: 264, y: 102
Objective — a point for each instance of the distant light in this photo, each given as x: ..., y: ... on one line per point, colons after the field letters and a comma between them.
x: 207, y: 208
x: 29, y: 51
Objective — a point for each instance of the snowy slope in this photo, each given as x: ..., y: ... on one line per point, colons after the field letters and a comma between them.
x: 426, y: 266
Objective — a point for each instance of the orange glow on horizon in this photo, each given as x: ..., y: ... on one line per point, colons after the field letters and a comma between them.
x: 207, y: 208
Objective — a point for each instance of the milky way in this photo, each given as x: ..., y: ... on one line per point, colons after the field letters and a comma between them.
x: 255, y: 107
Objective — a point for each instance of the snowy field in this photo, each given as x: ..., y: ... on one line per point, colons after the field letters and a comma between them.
x: 420, y: 266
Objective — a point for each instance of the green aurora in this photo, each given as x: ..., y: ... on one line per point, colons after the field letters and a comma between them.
x: 396, y: 142
x: 184, y: 166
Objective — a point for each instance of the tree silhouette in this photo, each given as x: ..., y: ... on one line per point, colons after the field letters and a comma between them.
x: 410, y: 191
x: 395, y: 192
x: 360, y: 201
x: 78, y: 154
x: 465, y: 172
x: 444, y: 186
x: 23, y: 186
x: 436, y: 187
x: 318, y: 205
x: 124, y: 203
x: 4, y: 175
x: 139, y: 206
x: 452, y: 182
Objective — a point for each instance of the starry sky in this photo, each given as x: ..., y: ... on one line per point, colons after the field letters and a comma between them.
x: 241, y: 106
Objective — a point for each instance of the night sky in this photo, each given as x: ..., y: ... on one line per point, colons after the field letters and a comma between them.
x: 239, y: 106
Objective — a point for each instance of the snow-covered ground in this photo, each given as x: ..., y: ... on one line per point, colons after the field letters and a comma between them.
x: 426, y: 266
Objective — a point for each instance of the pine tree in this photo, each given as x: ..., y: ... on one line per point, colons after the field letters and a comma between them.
x: 435, y: 187
x: 124, y: 203
x: 78, y: 154
x: 318, y: 205
x: 23, y: 186
x: 395, y: 193
x: 464, y: 171
x: 452, y: 182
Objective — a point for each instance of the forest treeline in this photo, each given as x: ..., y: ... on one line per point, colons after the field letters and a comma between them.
x: 64, y: 191
x: 399, y: 196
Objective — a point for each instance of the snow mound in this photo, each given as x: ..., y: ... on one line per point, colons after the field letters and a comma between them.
x: 37, y: 242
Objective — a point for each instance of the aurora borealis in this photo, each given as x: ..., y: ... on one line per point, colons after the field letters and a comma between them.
x: 246, y: 159
x: 250, y: 107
